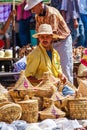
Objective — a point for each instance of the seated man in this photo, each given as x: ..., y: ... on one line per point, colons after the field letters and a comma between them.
x: 44, y: 57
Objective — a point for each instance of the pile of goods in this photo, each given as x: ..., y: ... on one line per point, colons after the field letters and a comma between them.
x: 46, y: 100
x: 7, y: 53
x: 25, y: 50
x: 42, y: 101
x: 77, y: 53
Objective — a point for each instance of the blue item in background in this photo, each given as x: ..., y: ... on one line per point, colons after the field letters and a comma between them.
x: 33, y: 40
x: 67, y: 90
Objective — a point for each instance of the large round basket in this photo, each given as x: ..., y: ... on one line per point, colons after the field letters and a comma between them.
x: 10, y: 112
x: 29, y: 110
x: 78, y: 108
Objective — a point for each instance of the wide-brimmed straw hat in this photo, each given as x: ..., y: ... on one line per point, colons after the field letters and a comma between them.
x: 31, y: 3
x: 45, y: 29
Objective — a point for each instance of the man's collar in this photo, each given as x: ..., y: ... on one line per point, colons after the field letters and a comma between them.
x: 44, y: 11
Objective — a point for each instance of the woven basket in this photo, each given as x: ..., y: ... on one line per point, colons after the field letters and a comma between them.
x: 3, y: 93
x: 78, y: 108
x: 51, y: 112
x: 10, y: 112
x: 82, y: 88
x: 18, y: 95
x: 47, y: 102
x: 49, y: 77
x: 22, y: 87
x: 59, y: 100
x: 60, y: 88
x: 43, y: 92
x: 29, y: 110
x: 40, y: 102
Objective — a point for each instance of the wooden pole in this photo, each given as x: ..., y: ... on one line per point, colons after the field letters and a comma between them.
x: 13, y: 32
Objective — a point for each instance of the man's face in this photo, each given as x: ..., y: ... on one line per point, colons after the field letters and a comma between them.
x: 45, y: 40
x: 36, y: 9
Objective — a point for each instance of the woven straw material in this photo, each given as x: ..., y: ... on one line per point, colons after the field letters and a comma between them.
x: 22, y: 87
x: 29, y: 110
x: 22, y: 83
x: 10, y: 112
x: 82, y: 70
x: 82, y: 88
x: 60, y: 88
x: 45, y: 88
x: 40, y: 102
x: 43, y: 92
x: 18, y: 95
x: 51, y: 112
x: 3, y: 94
x: 59, y: 101
x: 3, y: 97
x: 78, y: 108
x: 4, y: 103
x: 48, y: 76
x: 47, y: 102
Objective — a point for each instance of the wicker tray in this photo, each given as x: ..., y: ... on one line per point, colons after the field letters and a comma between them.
x: 10, y: 112
x: 78, y: 108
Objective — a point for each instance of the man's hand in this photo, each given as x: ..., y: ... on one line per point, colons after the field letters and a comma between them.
x: 63, y: 78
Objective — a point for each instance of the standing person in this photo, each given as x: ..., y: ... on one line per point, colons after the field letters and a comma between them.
x: 4, y: 14
x: 63, y: 44
x: 23, y: 18
x: 5, y: 27
x: 83, y: 15
x: 56, y: 4
x: 70, y: 12
x: 48, y: 58
x: 7, y: 23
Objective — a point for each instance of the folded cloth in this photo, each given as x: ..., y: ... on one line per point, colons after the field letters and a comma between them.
x: 4, y: 126
x: 20, y: 124
x: 68, y: 90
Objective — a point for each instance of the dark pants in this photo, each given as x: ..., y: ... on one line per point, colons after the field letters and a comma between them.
x: 24, y: 32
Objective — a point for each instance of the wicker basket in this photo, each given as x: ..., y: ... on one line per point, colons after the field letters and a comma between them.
x: 10, y: 112
x: 47, y: 102
x: 43, y: 92
x: 78, y: 108
x: 51, y: 112
x: 3, y: 93
x: 82, y: 88
x: 60, y: 101
x: 22, y: 87
x: 40, y: 102
x: 18, y: 95
x: 47, y: 76
x: 29, y: 110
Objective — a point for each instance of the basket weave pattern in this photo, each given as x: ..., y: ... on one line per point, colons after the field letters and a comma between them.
x: 78, y: 109
x: 10, y: 112
x: 29, y: 110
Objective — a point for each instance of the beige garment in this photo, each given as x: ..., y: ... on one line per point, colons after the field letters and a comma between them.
x: 82, y: 70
